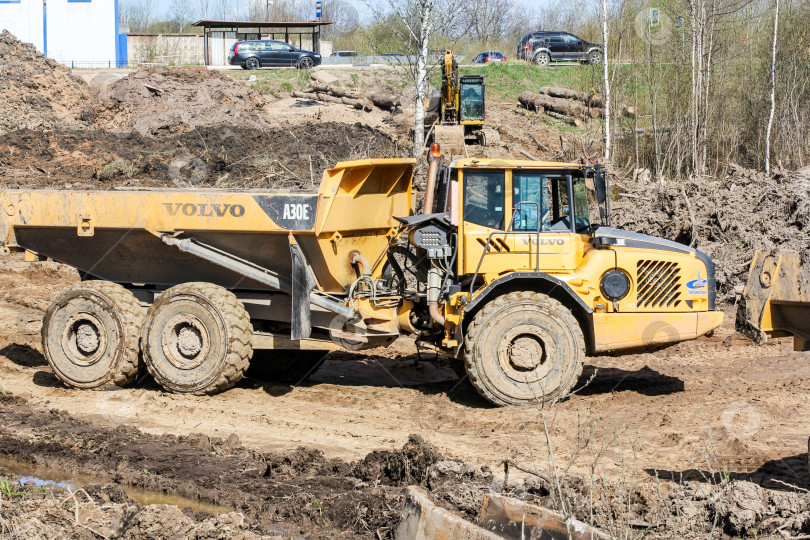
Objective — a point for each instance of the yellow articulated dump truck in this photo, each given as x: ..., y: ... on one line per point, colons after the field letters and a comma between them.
x: 505, y: 271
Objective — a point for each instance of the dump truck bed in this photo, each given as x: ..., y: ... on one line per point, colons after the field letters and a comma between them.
x: 117, y: 236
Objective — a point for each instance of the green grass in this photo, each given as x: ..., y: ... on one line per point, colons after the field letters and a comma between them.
x: 9, y: 490
x: 507, y: 80
x: 278, y: 82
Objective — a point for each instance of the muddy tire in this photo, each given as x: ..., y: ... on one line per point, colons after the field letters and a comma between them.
x: 285, y: 366
x: 524, y: 347
x: 197, y: 339
x: 91, y: 334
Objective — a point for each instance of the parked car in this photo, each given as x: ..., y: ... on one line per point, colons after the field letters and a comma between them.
x: 489, y: 57
x: 542, y: 48
x: 256, y: 54
x: 344, y: 53
x: 392, y: 54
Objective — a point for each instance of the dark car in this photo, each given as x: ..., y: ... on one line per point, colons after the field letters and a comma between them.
x: 270, y: 53
x: 344, y: 53
x: 542, y: 48
x: 489, y: 57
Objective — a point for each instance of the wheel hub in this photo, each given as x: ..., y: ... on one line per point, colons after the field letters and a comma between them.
x: 525, y: 353
x: 83, y: 339
x: 185, y: 341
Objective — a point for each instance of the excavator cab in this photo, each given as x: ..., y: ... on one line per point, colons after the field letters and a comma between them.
x: 472, y: 100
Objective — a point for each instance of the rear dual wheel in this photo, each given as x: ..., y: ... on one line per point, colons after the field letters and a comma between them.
x: 197, y: 338
x: 90, y: 335
x: 523, y: 348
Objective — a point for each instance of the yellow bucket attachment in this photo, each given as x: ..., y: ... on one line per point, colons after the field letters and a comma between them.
x: 776, y: 300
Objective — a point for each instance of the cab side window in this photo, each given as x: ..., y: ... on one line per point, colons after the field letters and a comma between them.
x: 531, y: 196
x: 484, y: 198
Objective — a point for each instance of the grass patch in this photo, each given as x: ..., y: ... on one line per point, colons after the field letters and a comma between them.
x: 8, y: 489
x: 278, y: 82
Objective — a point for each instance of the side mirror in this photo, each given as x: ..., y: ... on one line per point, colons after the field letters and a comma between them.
x: 602, y: 185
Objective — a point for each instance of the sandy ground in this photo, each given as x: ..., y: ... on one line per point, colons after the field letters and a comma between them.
x: 715, y: 404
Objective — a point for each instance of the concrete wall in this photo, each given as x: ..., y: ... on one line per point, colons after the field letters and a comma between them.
x: 81, y: 32
x: 174, y: 49
x: 23, y: 18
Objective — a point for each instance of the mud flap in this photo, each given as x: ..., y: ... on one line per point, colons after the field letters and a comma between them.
x: 302, y: 285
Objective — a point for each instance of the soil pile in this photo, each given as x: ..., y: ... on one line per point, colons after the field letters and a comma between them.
x: 729, y: 218
x: 160, y: 101
x: 36, y: 92
x: 217, y: 156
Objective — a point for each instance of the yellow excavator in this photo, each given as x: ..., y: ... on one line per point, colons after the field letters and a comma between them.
x: 456, y: 112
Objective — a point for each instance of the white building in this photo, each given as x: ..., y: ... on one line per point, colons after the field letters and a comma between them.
x: 81, y: 33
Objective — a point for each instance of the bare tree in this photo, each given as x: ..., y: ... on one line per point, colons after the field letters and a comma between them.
x: 606, y: 80
x: 138, y: 14
x: 416, y: 23
x: 485, y: 20
x: 181, y: 13
x: 773, y: 91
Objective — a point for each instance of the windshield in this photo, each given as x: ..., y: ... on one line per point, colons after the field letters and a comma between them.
x: 472, y: 102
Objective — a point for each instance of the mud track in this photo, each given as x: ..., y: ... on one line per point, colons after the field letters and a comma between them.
x: 699, y: 412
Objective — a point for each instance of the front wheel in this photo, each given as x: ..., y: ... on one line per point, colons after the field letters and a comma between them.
x: 542, y: 59
x: 524, y: 347
x: 305, y: 63
x: 197, y: 338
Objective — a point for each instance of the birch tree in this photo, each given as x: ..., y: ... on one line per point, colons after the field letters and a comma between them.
x: 773, y: 91
x: 419, y: 22
x: 606, y: 79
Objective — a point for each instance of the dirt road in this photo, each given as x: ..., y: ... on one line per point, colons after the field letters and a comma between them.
x: 719, y: 403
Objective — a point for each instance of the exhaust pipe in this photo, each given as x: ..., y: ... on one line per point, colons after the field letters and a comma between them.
x: 434, y: 158
x: 434, y: 289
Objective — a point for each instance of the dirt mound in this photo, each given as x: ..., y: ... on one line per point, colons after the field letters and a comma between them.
x: 36, y: 92
x: 218, y: 156
x: 728, y: 218
x: 160, y: 101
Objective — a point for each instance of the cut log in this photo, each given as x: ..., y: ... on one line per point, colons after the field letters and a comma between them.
x: 360, y: 104
x: 572, y: 120
x: 336, y: 91
x: 568, y: 107
x: 384, y: 101
x: 566, y: 93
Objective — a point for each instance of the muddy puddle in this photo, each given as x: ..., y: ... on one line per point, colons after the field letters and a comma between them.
x: 42, y: 475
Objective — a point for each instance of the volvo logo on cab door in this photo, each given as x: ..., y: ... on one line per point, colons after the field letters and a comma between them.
x: 289, y: 212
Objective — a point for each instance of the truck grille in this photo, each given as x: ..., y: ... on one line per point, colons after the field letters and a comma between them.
x: 659, y: 284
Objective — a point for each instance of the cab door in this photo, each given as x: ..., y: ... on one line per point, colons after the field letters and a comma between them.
x: 522, y: 218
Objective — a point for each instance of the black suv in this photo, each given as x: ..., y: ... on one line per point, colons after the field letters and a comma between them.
x: 543, y: 48
x: 271, y: 53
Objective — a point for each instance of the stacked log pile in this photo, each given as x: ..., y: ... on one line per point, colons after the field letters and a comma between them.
x: 568, y: 105
x: 365, y: 101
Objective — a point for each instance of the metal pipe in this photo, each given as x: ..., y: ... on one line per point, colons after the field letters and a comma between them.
x: 357, y: 258
x: 434, y: 158
x: 252, y: 271
x: 434, y: 287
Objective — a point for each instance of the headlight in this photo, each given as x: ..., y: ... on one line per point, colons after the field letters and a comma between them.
x: 317, y: 55
x: 615, y: 285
